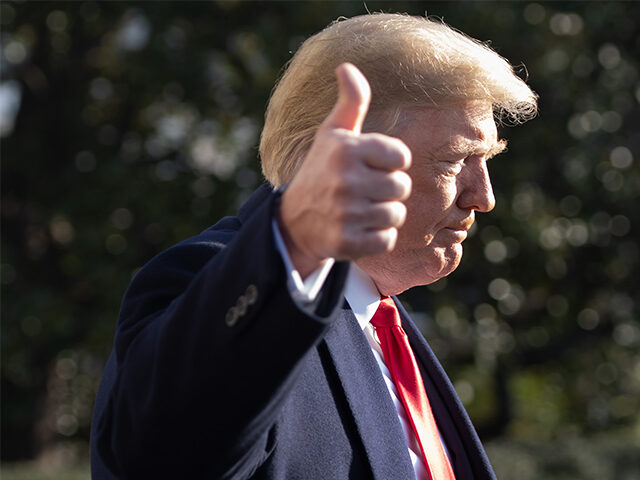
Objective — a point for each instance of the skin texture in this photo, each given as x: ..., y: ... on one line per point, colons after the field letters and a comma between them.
x: 450, y: 149
x: 353, y: 200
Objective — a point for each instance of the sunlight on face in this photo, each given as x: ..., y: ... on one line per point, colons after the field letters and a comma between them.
x: 451, y: 182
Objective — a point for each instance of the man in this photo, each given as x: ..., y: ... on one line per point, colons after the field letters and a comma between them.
x: 236, y: 354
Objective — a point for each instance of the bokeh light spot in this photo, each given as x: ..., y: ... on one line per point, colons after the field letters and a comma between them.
x: 57, y: 21
x: 495, y: 251
x: 621, y: 157
x: 499, y: 288
x: 534, y: 13
x: 609, y: 56
x: 588, y: 319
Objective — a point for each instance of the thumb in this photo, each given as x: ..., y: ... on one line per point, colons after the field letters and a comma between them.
x: 354, y: 96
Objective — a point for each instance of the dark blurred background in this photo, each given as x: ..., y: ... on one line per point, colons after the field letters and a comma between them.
x: 128, y: 126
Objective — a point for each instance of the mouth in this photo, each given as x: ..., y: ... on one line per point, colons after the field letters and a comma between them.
x: 460, y: 230
x: 462, y: 226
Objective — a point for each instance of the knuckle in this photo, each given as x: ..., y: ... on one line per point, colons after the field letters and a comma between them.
x: 341, y: 185
x: 401, y: 214
x: 382, y: 241
x: 391, y: 235
x: 351, y: 214
x: 394, y: 185
x: 403, y: 184
x: 342, y: 219
x: 359, y: 243
x: 374, y: 139
x: 372, y: 242
x: 346, y: 244
x: 347, y: 147
x: 393, y: 214
x: 340, y: 148
x: 398, y: 153
x: 405, y: 153
x: 388, y: 215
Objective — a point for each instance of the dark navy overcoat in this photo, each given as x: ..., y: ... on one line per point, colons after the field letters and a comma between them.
x: 216, y: 373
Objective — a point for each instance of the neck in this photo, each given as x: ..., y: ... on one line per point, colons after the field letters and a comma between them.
x: 386, y: 286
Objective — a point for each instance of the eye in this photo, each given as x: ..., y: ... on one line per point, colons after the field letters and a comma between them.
x: 453, y: 167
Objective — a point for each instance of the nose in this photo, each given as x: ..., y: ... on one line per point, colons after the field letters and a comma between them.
x: 476, y: 192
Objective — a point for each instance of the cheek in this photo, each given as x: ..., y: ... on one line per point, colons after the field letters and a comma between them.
x: 446, y: 187
x: 425, y: 211
x: 434, y: 196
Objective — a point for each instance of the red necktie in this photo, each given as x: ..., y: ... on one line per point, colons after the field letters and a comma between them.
x: 406, y: 376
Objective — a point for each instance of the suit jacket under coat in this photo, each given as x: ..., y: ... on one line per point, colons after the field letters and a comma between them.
x: 279, y: 394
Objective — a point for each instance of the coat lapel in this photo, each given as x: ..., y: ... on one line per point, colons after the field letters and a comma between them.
x: 366, y: 393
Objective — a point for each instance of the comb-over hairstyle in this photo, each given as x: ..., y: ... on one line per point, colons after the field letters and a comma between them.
x: 409, y: 62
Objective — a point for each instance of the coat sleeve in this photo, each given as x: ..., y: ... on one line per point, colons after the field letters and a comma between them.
x: 207, y: 347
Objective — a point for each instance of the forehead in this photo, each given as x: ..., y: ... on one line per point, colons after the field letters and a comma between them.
x: 457, y: 130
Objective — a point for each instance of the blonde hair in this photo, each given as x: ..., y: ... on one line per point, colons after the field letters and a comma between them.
x: 408, y: 61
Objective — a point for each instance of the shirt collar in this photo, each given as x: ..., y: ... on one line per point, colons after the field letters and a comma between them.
x: 362, y: 295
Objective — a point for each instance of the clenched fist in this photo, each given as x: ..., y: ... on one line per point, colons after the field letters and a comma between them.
x: 346, y: 201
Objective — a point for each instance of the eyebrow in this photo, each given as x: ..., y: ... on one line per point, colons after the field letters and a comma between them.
x: 467, y: 148
x: 498, y: 147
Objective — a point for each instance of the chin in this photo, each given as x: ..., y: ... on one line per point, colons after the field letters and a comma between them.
x: 449, y: 270
x: 395, y: 277
x: 449, y: 259
x: 424, y: 276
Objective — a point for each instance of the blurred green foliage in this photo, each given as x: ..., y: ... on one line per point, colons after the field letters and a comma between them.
x: 127, y: 127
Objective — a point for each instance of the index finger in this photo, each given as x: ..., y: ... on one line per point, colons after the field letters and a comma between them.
x: 383, y: 152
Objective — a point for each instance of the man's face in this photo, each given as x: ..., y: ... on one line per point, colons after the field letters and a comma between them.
x: 450, y: 149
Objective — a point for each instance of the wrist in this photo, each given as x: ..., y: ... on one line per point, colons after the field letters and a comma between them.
x: 304, y: 262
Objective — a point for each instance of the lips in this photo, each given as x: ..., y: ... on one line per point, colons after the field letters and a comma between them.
x: 464, y: 225
x: 459, y: 235
x: 459, y: 230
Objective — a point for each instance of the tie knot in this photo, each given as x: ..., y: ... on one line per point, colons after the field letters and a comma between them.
x: 386, y: 315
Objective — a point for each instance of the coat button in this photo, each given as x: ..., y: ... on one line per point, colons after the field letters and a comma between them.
x: 232, y: 316
x: 251, y: 294
x: 242, y: 305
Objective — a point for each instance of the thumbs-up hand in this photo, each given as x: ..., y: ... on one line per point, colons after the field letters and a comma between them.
x: 346, y: 200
